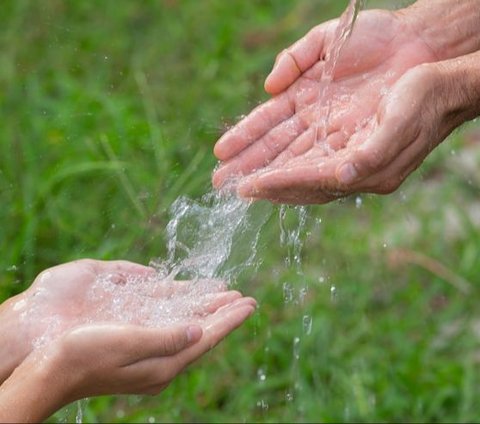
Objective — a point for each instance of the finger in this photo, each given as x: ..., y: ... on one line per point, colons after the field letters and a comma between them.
x: 164, y: 341
x: 289, y: 186
x: 392, y: 176
x: 370, y: 158
x: 296, y: 173
x: 212, y: 302
x: 399, y: 121
x: 261, y: 120
x: 127, y: 344
x: 263, y: 151
x: 313, y: 197
x: 320, y: 151
x: 392, y: 136
x: 298, y: 147
x: 219, y: 325
x: 299, y: 57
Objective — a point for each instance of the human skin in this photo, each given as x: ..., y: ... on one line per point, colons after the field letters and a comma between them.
x: 104, y: 357
x: 403, y: 82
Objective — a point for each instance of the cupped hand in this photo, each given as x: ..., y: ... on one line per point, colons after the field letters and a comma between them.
x: 101, y: 359
x: 138, y: 360
x: 91, y: 292
x: 412, y: 120
x: 281, y: 150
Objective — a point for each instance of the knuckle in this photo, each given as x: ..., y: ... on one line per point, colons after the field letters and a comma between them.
x: 388, y: 187
x: 370, y: 161
x: 173, y: 342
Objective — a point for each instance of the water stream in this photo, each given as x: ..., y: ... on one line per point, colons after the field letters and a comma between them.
x: 341, y: 36
x: 215, y: 239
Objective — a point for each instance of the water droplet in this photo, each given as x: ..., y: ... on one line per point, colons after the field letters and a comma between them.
x: 262, y: 404
x: 333, y: 293
x: 307, y: 324
x: 287, y: 292
x: 358, y: 202
x: 289, y: 396
x: 385, y: 245
x: 261, y: 375
x: 79, y: 415
x: 151, y: 419
x: 302, y: 295
x: 296, y: 347
x: 453, y: 152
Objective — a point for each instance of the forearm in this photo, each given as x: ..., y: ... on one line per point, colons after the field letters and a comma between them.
x: 32, y: 393
x: 450, y: 27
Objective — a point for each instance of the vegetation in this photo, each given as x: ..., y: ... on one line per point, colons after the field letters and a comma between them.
x: 109, y: 112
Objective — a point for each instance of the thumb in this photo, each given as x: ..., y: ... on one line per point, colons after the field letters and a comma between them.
x: 394, y: 133
x: 296, y: 59
x: 171, y: 340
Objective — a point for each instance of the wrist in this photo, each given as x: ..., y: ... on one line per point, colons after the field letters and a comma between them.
x: 448, y: 27
x: 34, y: 391
x: 457, y: 82
x: 16, y: 342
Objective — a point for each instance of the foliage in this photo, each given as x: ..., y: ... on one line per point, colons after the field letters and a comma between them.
x: 110, y: 111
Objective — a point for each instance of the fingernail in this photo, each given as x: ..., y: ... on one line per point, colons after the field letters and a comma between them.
x: 194, y: 333
x: 347, y: 173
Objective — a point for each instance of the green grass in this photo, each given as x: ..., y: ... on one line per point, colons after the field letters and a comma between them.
x: 109, y: 112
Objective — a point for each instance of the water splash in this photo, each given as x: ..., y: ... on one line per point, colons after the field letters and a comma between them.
x: 307, y: 324
x: 211, y: 241
x: 200, y: 235
x: 292, y: 234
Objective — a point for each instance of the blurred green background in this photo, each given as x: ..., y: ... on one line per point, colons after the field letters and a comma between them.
x: 109, y: 111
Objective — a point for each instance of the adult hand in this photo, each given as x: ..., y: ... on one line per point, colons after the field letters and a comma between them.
x: 104, y: 359
x: 89, y: 291
x: 290, y: 126
x: 419, y: 113
x: 287, y: 150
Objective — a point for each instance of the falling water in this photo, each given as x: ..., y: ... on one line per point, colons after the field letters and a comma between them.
x: 203, y: 235
x: 210, y: 241
x: 341, y: 36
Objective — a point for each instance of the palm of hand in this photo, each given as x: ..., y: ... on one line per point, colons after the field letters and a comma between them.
x: 91, y: 292
x: 314, y: 118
